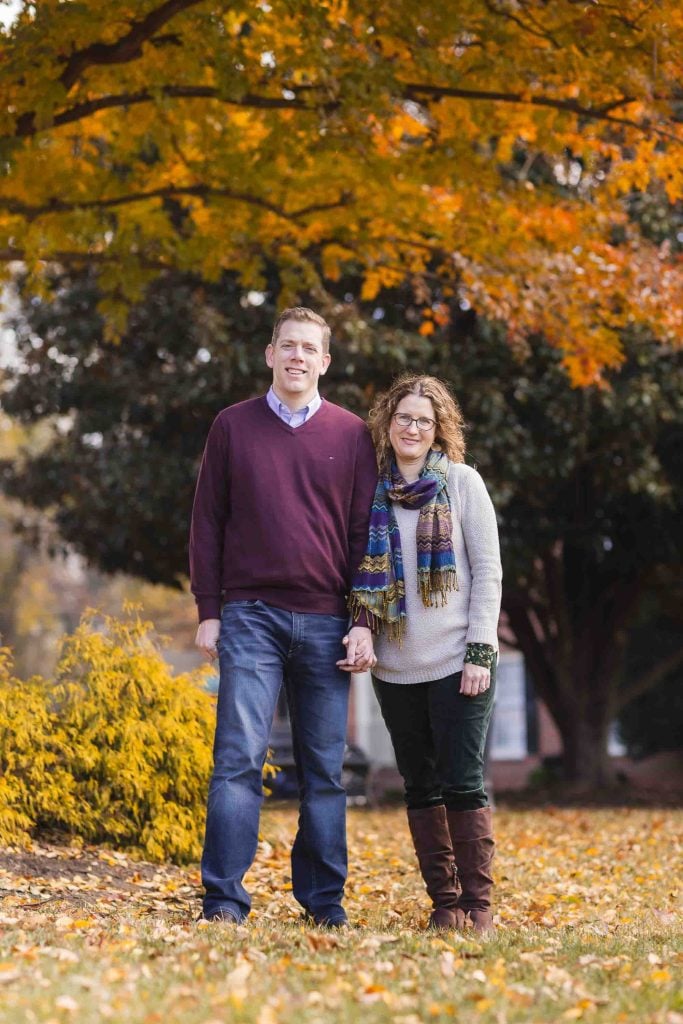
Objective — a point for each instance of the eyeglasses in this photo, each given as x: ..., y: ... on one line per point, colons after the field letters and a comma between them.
x: 423, y: 422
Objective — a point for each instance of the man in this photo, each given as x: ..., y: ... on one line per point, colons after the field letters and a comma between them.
x: 279, y: 525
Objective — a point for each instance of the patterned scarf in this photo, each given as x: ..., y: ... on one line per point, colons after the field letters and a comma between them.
x: 379, y: 587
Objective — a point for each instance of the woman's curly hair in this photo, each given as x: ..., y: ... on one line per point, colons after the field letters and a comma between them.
x: 450, y: 432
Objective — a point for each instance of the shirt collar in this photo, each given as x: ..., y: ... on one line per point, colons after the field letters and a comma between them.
x: 281, y: 409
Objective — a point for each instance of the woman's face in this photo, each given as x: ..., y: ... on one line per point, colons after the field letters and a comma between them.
x: 410, y: 443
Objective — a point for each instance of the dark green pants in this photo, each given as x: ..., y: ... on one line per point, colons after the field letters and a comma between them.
x: 439, y: 738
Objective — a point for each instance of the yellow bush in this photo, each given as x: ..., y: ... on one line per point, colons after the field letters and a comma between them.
x: 116, y: 749
x: 26, y: 763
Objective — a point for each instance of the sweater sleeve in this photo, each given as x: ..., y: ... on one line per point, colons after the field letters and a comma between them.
x: 209, y: 515
x: 480, y: 532
x: 364, y: 485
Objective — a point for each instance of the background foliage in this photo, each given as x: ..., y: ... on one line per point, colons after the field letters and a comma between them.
x: 587, y: 483
x: 115, y: 749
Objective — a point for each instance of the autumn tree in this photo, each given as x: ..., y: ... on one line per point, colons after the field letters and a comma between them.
x: 486, y: 151
x: 587, y: 483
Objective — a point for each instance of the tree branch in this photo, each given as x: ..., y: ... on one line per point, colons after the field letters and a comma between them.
x: 549, y: 681
x: 26, y: 124
x: 55, y: 205
x: 12, y: 254
x: 417, y: 91
x: 650, y: 678
x: 534, y: 31
x: 528, y: 641
x: 125, y: 49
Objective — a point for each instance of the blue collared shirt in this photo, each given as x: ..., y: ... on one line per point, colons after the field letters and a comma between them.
x: 293, y: 419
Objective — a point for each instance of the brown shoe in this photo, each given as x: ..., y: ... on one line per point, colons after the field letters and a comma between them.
x: 432, y: 842
x: 473, y: 847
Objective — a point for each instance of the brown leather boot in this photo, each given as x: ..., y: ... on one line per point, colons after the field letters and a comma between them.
x: 473, y: 847
x: 432, y: 842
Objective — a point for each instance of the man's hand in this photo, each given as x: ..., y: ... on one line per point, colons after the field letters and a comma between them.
x: 475, y: 680
x: 207, y: 637
x: 360, y: 653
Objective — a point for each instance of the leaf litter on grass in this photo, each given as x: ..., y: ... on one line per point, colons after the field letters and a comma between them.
x: 587, y: 908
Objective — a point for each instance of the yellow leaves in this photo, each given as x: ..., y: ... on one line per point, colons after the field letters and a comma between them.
x: 250, y: 127
x: 68, y: 1003
x: 236, y: 982
x: 398, y: 133
x: 578, y: 1011
x: 117, y: 748
x: 405, y: 126
x: 429, y: 168
x: 142, y: 956
x: 333, y: 259
x: 448, y: 202
x: 233, y: 22
x: 668, y: 168
x: 436, y: 1009
x: 371, y: 286
x: 380, y: 277
x: 393, y: 47
x: 266, y: 1015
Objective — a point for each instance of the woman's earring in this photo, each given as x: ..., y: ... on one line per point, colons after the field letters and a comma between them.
x: 436, y: 447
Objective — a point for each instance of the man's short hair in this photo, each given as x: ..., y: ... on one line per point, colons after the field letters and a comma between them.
x: 302, y: 313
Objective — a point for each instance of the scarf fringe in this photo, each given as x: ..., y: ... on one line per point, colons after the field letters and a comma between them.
x: 438, y: 584
x: 359, y: 602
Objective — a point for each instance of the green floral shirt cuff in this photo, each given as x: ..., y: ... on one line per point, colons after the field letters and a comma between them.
x: 480, y: 654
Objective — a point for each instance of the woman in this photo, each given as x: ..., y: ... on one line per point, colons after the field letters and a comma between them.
x: 430, y: 586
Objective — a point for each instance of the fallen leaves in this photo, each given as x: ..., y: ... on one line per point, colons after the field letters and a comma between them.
x: 577, y: 937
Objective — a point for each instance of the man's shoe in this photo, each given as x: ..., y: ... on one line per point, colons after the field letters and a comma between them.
x: 336, y: 923
x: 219, y: 915
x: 337, y: 920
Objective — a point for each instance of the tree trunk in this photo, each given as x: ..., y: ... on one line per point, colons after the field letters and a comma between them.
x: 584, y: 734
x: 578, y: 684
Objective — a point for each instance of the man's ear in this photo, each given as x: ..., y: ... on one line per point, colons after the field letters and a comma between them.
x: 327, y: 359
x: 270, y: 356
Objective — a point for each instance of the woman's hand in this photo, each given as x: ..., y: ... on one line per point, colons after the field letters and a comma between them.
x: 360, y: 654
x: 475, y: 680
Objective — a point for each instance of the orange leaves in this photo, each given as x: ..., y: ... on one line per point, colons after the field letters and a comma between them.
x: 333, y: 257
x: 446, y: 122
x: 380, y: 277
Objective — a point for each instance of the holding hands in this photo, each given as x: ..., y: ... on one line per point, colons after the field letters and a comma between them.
x: 360, y: 653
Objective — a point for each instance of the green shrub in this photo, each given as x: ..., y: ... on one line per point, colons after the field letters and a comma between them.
x: 116, y: 749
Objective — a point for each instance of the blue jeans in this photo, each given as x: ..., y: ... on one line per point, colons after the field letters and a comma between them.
x: 259, y: 648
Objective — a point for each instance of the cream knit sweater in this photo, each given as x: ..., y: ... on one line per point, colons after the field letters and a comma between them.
x: 436, y: 638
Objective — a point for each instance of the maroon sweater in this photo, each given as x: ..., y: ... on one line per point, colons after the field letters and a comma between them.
x: 281, y: 514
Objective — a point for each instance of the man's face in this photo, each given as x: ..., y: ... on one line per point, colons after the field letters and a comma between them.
x: 297, y: 360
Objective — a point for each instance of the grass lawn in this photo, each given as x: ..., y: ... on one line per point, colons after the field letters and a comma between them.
x: 588, y: 915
